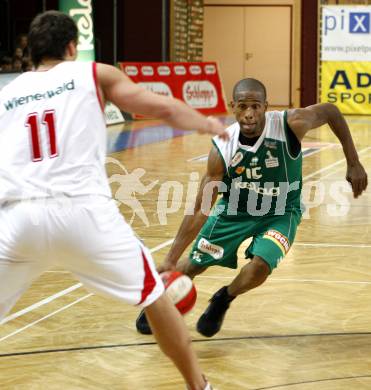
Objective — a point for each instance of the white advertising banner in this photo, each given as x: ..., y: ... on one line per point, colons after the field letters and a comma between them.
x: 113, y: 114
x: 346, y: 33
x: 196, y: 83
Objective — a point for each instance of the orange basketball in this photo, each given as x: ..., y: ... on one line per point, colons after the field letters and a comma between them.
x: 180, y: 289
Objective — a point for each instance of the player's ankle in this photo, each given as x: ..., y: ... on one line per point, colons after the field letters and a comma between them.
x: 205, y: 386
x: 227, y: 294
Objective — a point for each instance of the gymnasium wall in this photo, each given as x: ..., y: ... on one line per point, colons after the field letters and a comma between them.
x: 296, y: 33
x: 141, y: 29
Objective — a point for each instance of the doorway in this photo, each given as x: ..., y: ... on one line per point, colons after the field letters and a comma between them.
x: 251, y: 41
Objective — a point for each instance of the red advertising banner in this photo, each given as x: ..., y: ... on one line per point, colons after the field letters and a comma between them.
x: 196, y: 83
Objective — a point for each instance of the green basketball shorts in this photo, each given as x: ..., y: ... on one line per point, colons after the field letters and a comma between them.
x: 222, y: 235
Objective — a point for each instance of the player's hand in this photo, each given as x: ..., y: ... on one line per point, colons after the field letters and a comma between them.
x: 166, y: 266
x: 357, y: 177
x: 215, y: 127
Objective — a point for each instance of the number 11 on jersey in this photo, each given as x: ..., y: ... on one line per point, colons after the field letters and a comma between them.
x: 33, y: 123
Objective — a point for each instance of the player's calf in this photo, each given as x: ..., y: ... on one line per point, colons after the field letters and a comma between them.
x: 251, y: 275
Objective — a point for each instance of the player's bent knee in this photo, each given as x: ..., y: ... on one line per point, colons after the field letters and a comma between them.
x: 261, y: 267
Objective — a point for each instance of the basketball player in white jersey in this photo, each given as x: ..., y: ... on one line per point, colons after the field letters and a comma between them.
x: 55, y: 202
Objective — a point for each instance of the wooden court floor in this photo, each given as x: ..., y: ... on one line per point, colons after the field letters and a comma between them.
x: 307, y: 328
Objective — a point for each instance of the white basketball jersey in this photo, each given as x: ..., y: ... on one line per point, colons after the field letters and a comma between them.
x: 52, y: 134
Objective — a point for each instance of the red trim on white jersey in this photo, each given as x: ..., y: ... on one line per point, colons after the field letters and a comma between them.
x: 149, y: 280
x: 95, y: 76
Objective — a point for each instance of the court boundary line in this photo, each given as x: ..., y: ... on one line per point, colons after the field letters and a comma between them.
x: 364, y: 282
x: 168, y: 242
x: 45, y: 317
x: 314, y: 381
x: 196, y: 340
x: 332, y: 245
x: 40, y: 303
x: 336, y: 163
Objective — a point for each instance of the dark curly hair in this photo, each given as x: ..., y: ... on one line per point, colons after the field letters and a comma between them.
x: 49, y: 35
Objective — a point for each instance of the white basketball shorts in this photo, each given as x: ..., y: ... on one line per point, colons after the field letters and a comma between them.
x: 87, y: 236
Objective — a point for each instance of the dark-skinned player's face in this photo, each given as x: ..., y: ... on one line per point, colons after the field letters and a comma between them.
x: 249, y: 109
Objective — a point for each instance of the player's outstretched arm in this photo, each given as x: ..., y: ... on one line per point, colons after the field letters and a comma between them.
x: 302, y: 120
x: 192, y: 224
x: 128, y: 96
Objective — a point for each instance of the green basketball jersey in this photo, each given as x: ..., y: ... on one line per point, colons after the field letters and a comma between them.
x: 263, y: 179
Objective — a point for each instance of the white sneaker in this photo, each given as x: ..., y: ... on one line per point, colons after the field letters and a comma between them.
x: 208, y: 386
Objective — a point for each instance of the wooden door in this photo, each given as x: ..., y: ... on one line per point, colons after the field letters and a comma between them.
x: 267, y: 50
x: 224, y: 43
x: 251, y: 41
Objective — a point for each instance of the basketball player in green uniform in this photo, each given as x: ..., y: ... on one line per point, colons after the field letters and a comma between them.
x: 259, y: 172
